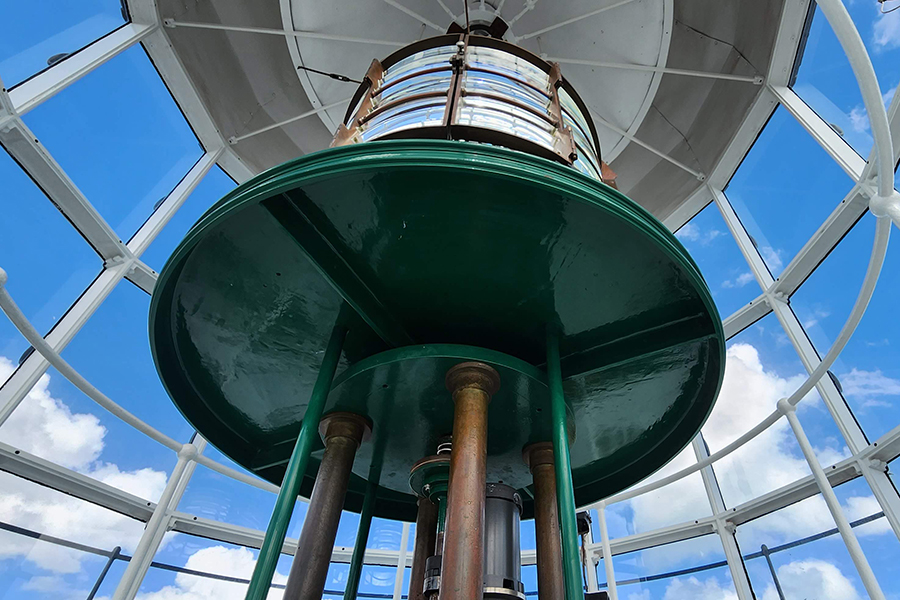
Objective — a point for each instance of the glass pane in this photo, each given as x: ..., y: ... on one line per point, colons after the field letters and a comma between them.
x: 721, y: 263
x: 879, y: 544
x: 869, y: 366
x: 785, y: 188
x: 825, y: 80
x: 815, y: 568
x: 648, y: 573
x: 55, y: 421
x: 761, y: 367
x: 679, y: 502
x: 220, y: 498
x: 31, y: 568
x: 220, y: 562
x: 209, y: 191
x: 133, y: 144
x: 32, y: 33
x: 347, y: 528
x: 374, y: 580
x: 384, y: 534
x: 112, y: 351
x: 49, y: 264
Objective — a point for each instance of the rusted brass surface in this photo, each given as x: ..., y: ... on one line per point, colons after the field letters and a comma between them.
x: 550, y: 580
x: 462, y: 571
x: 343, y: 433
x: 426, y: 531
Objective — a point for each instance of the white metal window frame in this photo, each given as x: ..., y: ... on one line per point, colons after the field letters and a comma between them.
x: 122, y: 260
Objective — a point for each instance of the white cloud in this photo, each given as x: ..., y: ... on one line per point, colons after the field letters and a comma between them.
x: 812, y: 579
x: 859, y: 118
x: 772, y: 460
x: 55, y: 587
x: 887, y: 31
x: 858, y: 507
x: 818, y: 313
x: 772, y: 258
x: 234, y: 562
x: 46, y: 426
x: 739, y: 281
x: 868, y: 386
x: 692, y: 588
x: 691, y: 233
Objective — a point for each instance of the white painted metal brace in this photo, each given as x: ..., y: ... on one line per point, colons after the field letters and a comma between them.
x: 607, y: 553
x: 597, y: 11
x: 401, y: 562
x: 157, y: 525
x: 789, y: 409
x: 600, y: 120
x: 235, y: 139
x: 754, y: 79
x: 173, y: 23
x: 726, y: 532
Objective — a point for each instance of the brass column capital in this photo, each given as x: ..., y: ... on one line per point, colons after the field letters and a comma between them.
x: 472, y: 375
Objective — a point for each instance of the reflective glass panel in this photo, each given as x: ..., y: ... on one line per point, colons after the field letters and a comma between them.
x: 426, y: 83
x: 500, y: 116
x: 785, y: 188
x: 868, y: 368
x: 36, y: 33
x: 32, y: 568
x: 432, y: 57
x: 377, y: 580
x: 48, y: 263
x: 490, y: 83
x: 427, y: 112
x: 825, y: 79
x: 711, y: 245
x: 507, y: 64
x: 133, y: 143
x: 212, y: 495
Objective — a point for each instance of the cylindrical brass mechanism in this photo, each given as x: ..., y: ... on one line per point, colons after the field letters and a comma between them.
x: 462, y: 571
x: 426, y: 531
x: 550, y: 579
x: 342, y: 432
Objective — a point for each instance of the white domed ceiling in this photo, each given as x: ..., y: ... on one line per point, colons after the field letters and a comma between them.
x: 660, y: 130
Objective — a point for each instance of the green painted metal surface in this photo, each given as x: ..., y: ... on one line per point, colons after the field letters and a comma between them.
x: 437, y: 245
x: 296, y: 468
x: 565, y: 491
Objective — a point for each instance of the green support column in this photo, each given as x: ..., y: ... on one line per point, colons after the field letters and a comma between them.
x: 293, y: 476
x: 564, y: 491
x: 362, y: 538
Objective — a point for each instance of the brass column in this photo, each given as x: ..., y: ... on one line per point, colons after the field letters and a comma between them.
x: 462, y: 572
x: 426, y: 532
x: 343, y: 432
x: 550, y: 579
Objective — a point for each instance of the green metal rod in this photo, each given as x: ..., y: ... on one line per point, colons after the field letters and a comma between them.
x: 272, y: 544
x: 565, y: 492
x: 362, y: 538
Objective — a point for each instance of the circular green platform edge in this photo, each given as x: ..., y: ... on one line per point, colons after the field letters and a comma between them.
x: 455, y: 155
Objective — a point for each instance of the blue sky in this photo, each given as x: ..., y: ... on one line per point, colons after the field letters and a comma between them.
x: 119, y: 124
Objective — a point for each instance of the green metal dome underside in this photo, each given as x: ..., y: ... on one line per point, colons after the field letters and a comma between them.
x: 436, y: 252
